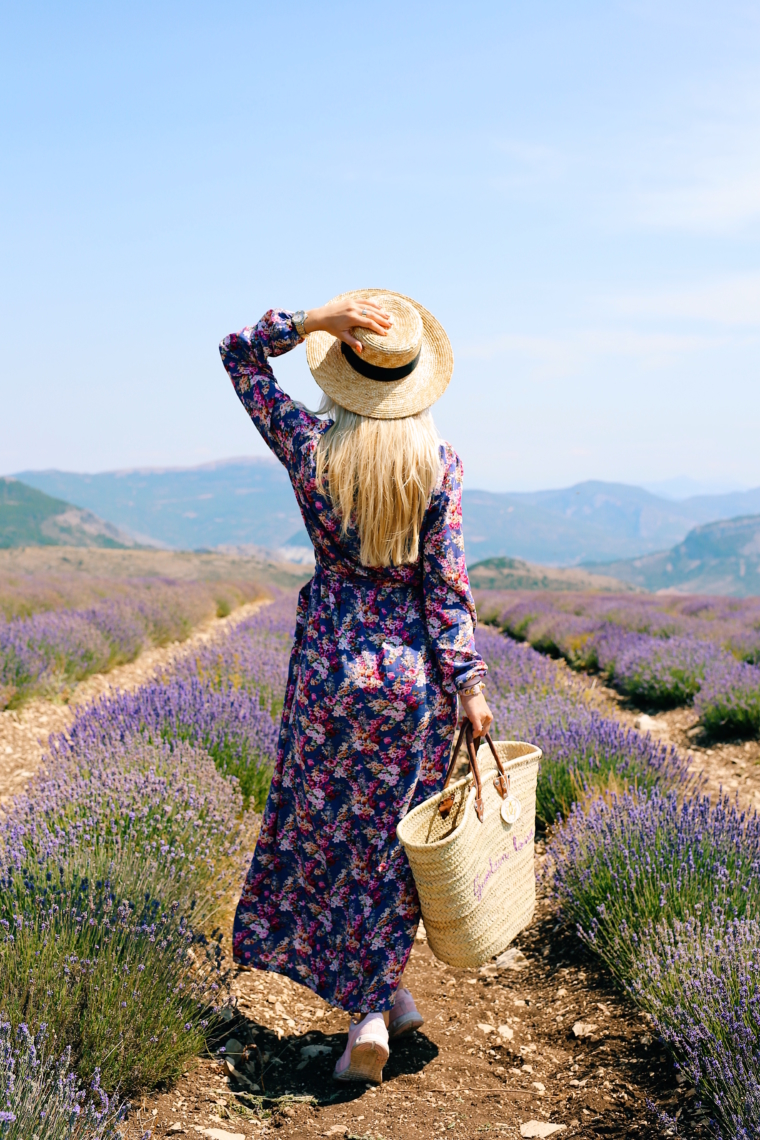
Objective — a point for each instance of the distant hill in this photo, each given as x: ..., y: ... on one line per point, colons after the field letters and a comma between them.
x: 240, y: 502
x: 243, y: 502
x: 590, y: 522
x: 514, y: 574
x: 30, y: 518
x: 719, y: 558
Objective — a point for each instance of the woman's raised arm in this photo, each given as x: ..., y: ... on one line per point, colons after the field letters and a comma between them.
x: 245, y: 355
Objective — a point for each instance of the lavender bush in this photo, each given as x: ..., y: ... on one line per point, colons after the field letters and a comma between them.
x: 43, y: 1100
x: 254, y: 656
x: 702, y: 987
x: 660, y: 673
x: 114, y: 869
x: 230, y: 724
x: 723, y: 621
x: 628, y: 862
x: 125, y: 855
x: 728, y: 701
x: 668, y: 895
x: 584, y: 751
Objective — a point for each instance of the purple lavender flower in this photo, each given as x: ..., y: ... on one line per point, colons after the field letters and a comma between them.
x: 118, y: 860
x: 702, y: 987
x: 728, y: 701
x: 625, y: 862
x: 45, y: 651
x: 42, y: 1098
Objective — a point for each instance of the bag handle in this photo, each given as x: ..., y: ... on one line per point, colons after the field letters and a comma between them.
x: 501, y: 781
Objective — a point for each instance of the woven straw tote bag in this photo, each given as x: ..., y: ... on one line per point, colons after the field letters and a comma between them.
x: 471, y: 851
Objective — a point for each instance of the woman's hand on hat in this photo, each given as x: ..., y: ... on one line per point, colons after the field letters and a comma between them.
x: 476, y: 709
x: 340, y: 316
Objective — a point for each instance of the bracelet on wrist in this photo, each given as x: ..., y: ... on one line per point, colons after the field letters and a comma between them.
x: 474, y: 691
x: 298, y: 322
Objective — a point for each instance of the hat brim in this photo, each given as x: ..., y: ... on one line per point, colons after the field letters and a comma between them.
x: 381, y: 400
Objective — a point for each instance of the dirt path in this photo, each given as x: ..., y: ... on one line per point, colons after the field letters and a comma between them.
x: 733, y: 767
x: 24, y: 732
x: 498, y: 1051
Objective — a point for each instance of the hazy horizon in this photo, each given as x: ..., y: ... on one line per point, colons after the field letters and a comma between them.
x: 676, y: 489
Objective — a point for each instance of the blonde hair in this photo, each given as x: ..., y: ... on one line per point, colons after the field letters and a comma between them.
x: 380, y: 475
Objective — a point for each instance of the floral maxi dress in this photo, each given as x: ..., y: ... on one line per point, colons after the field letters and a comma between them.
x: 369, y: 716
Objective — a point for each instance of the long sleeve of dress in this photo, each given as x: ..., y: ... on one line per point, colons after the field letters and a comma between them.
x: 245, y: 355
x: 449, y: 607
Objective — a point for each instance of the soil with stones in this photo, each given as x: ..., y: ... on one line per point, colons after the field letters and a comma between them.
x: 731, y: 767
x: 540, y: 1044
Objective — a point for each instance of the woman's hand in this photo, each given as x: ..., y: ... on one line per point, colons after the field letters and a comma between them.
x: 476, y: 709
x: 337, y: 317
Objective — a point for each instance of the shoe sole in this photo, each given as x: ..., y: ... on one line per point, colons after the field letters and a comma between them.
x: 404, y: 1025
x: 366, y: 1064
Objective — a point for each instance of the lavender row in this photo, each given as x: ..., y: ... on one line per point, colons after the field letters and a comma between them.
x: 25, y: 592
x: 584, y: 750
x: 732, y: 623
x: 663, y: 885
x: 113, y: 871
x: 663, y: 654
x: 46, y: 652
x: 120, y: 865
x: 667, y: 893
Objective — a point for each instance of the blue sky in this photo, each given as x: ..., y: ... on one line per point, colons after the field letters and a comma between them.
x: 573, y: 189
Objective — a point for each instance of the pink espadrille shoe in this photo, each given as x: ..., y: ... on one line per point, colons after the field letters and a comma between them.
x: 405, y: 1017
x: 366, y: 1051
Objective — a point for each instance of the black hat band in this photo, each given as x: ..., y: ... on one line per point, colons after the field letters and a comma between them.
x: 374, y: 371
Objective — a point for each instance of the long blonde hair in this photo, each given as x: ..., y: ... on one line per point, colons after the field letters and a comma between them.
x: 380, y: 475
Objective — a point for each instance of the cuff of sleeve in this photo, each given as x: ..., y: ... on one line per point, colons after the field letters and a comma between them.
x: 474, y: 677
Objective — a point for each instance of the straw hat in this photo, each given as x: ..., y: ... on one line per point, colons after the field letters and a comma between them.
x: 415, y: 354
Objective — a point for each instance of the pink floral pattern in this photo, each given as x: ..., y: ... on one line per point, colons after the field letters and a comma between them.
x: 367, y: 727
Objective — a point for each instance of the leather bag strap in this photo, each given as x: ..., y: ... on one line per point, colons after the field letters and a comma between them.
x: 501, y: 781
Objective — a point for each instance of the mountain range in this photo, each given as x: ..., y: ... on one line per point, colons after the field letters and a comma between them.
x: 239, y: 502
x: 577, y: 538
x: 589, y: 522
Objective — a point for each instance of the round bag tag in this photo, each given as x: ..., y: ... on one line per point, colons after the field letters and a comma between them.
x: 511, y: 809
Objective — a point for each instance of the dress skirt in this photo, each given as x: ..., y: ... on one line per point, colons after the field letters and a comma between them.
x: 366, y: 735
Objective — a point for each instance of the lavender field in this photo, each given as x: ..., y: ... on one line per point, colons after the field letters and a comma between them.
x: 662, y: 652
x: 120, y: 865
x: 659, y: 882
x: 585, y: 750
x: 118, y: 873
x: 47, y: 645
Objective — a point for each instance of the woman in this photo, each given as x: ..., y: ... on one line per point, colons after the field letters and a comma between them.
x: 383, y: 649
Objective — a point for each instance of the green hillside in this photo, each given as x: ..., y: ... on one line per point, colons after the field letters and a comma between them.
x: 30, y: 518
x: 514, y: 574
x: 719, y: 558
